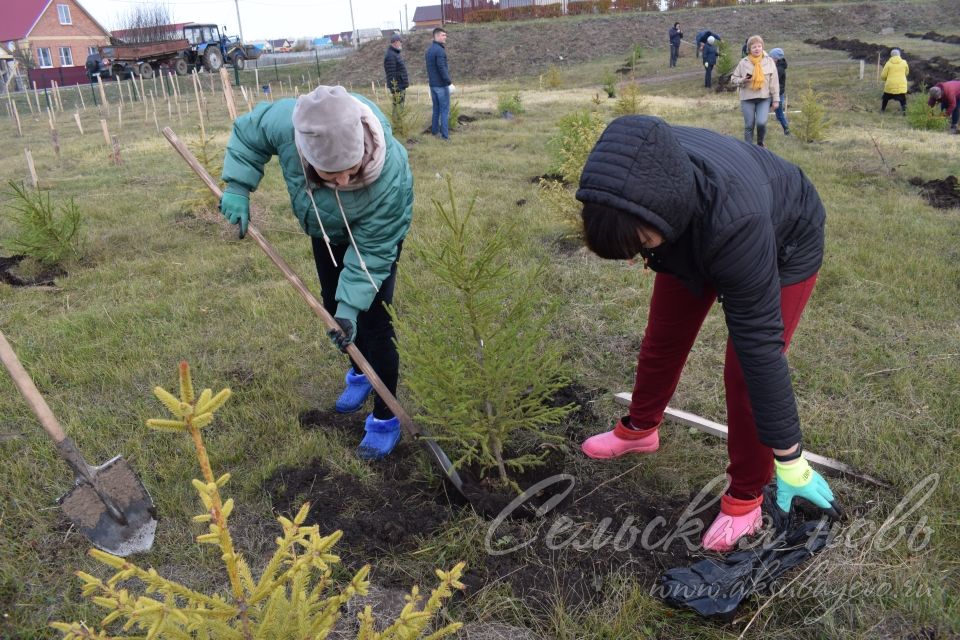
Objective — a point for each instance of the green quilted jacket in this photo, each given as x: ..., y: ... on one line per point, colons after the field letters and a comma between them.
x: 379, y: 214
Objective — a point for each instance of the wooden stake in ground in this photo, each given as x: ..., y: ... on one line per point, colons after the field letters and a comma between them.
x: 228, y: 94
x: 153, y: 102
x: 120, y: 116
x: 179, y: 115
x: 16, y: 115
x: 256, y: 79
x: 106, y: 131
x: 76, y: 118
x: 29, y: 102
x: 55, y: 140
x: 246, y: 98
x: 196, y: 92
x: 878, y: 66
x: 34, y: 182
x: 50, y: 117
x: 861, y: 69
x: 103, y: 95
x: 376, y: 96
x: 36, y: 94
x: 83, y: 104
x: 116, y: 151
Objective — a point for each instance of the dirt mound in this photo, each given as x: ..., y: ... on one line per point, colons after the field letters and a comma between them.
x: 507, y: 50
x: 590, y: 536
x: 936, y: 37
x: 8, y: 274
x: 924, y: 72
x: 942, y: 194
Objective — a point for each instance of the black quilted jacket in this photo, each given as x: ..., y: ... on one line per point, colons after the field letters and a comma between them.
x: 734, y: 217
x: 395, y: 70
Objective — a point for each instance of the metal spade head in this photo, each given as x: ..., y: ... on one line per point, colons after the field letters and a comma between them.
x: 114, y: 510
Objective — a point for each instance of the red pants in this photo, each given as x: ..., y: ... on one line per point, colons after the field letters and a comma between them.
x: 672, y: 326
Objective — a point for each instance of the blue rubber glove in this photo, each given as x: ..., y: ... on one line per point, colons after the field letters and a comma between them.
x: 235, y: 207
x: 346, y: 317
x: 799, y: 480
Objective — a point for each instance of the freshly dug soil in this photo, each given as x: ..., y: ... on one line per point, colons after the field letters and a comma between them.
x: 397, y: 512
x: 936, y: 37
x: 942, y: 194
x: 8, y: 274
x: 923, y: 72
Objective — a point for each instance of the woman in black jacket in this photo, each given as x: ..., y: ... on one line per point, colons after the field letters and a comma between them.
x: 717, y: 219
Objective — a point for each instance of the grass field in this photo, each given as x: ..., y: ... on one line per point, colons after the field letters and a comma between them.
x: 875, y: 360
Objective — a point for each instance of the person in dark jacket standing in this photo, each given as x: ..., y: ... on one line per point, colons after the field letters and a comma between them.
x: 716, y: 219
x: 781, y: 61
x: 441, y: 86
x: 676, y: 35
x: 395, y: 70
x: 710, y: 55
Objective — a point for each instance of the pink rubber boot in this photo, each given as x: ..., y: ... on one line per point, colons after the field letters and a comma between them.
x: 622, y: 440
x: 737, y: 518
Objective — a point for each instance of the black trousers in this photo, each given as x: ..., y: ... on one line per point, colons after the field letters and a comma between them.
x: 374, y: 328
x: 899, y: 97
x: 708, y: 71
x: 674, y: 52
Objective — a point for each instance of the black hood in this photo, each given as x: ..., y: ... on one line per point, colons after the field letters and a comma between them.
x: 638, y: 166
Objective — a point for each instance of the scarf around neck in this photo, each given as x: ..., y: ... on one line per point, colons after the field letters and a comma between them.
x: 757, y: 81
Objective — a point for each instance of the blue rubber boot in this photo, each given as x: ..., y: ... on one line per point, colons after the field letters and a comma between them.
x: 355, y: 394
x: 380, y: 438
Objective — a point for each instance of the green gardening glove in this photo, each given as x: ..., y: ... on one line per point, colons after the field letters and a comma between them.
x: 235, y: 207
x: 798, y: 479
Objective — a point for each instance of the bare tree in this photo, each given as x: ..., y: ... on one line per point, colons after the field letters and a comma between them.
x: 147, y: 23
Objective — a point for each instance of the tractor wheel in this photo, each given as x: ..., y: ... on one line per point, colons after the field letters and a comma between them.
x: 239, y: 62
x: 212, y: 60
x: 180, y: 67
x: 146, y: 71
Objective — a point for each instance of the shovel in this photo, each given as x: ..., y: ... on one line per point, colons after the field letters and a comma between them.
x: 109, y: 504
x: 437, y: 454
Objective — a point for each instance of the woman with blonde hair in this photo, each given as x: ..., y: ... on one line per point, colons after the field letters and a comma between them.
x: 756, y: 77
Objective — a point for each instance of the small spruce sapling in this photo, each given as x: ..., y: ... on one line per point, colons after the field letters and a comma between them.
x: 630, y: 101
x: 509, y: 104
x: 44, y: 232
x: 811, y: 125
x: 295, y: 596
x: 480, y: 363
x: 212, y: 160
x: 610, y: 84
x: 578, y: 133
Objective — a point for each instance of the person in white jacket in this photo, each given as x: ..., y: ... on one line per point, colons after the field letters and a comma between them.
x: 756, y: 77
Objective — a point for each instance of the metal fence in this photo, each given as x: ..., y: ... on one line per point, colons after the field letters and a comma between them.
x: 299, y: 57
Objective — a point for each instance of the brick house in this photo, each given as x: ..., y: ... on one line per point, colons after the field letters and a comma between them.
x: 58, y: 34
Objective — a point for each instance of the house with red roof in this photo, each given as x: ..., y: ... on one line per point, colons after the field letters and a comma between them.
x: 52, y: 35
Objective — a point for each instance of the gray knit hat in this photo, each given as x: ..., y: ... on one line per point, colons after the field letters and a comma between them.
x: 895, y: 52
x: 328, y: 130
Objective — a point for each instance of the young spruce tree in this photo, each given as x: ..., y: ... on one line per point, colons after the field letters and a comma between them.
x: 479, y: 359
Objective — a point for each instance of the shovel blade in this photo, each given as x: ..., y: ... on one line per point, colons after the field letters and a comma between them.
x: 121, y: 485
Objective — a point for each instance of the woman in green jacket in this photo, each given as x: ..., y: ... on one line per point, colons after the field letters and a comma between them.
x: 351, y: 189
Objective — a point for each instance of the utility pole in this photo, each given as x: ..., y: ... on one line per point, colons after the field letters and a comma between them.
x: 406, y: 15
x: 239, y: 25
x: 356, y: 36
x: 401, y: 21
x: 441, y: 13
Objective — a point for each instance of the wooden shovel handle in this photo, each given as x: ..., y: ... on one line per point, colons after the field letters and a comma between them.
x: 388, y: 398
x: 29, y: 391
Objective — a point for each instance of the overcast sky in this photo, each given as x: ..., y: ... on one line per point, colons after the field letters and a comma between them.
x: 268, y: 18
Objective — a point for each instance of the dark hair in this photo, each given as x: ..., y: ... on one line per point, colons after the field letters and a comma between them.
x: 611, y: 233
x: 438, y: 30
x: 675, y: 24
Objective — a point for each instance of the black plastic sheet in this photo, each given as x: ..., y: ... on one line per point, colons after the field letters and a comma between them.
x: 715, y: 587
